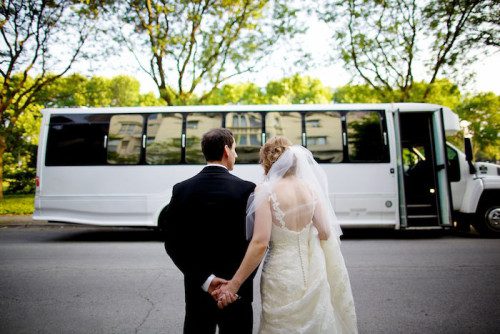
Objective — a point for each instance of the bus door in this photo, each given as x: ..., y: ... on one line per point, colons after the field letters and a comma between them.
x: 424, y: 191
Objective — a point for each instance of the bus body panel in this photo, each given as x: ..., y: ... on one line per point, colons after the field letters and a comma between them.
x: 473, y: 192
x: 458, y: 187
x: 362, y: 194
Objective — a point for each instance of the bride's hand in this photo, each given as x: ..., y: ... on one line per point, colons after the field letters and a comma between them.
x: 227, y: 294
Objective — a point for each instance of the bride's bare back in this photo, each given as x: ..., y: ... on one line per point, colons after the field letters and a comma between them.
x: 295, y: 205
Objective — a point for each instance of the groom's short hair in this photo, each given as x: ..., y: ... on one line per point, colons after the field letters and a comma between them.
x: 213, y: 142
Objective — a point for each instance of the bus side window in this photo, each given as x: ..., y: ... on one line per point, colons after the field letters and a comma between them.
x: 324, y: 136
x: 453, y: 165
x: 76, y: 140
x: 288, y: 124
x: 163, y: 144
x: 365, y: 137
x: 247, y: 130
x: 125, y: 139
x: 196, y: 125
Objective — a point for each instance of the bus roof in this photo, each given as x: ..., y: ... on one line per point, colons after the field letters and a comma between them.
x: 403, y: 107
x: 451, y: 120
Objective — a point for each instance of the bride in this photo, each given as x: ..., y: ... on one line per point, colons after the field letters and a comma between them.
x: 305, y: 287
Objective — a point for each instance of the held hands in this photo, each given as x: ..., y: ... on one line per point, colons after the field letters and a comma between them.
x: 216, y: 284
x: 225, y: 293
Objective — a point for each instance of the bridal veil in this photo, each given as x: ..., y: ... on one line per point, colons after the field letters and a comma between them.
x: 299, y: 162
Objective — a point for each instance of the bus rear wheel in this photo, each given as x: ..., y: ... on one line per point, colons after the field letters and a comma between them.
x: 488, y: 220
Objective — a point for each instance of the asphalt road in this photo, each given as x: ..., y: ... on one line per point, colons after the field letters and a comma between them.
x: 101, y: 280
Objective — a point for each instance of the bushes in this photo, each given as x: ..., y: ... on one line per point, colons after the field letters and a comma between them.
x: 20, y: 181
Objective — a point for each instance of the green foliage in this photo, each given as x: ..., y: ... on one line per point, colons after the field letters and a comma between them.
x: 297, y: 90
x: 20, y: 134
x: 357, y: 94
x: 19, y: 170
x: 290, y: 90
x: 242, y: 93
x: 442, y: 92
x: 77, y: 90
x: 17, y: 205
x: 150, y: 99
x: 483, y: 111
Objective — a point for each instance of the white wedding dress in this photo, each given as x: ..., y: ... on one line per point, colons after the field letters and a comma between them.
x: 305, y: 287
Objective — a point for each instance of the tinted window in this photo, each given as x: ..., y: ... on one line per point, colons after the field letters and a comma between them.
x: 365, y: 137
x: 197, y: 124
x: 324, y: 136
x: 163, y: 145
x: 247, y: 130
x: 453, y: 165
x: 125, y: 139
x: 288, y: 124
x: 76, y: 140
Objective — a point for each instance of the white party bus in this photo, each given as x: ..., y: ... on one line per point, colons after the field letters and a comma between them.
x: 388, y: 165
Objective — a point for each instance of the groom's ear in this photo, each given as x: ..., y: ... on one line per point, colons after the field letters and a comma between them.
x: 227, y: 149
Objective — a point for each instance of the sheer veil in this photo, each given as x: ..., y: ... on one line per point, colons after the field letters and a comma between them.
x: 298, y: 161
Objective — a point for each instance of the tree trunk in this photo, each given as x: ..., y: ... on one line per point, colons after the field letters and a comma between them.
x: 3, y: 146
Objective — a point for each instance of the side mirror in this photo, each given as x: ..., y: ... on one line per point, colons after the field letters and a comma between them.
x: 468, y: 154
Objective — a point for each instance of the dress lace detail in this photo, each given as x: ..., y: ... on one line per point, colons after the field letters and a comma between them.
x: 304, y: 285
x: 278, y: 214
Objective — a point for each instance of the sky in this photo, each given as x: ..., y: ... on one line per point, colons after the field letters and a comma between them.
x: 316, y: 41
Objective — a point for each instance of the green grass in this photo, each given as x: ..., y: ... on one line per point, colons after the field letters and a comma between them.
x: 17, y: 205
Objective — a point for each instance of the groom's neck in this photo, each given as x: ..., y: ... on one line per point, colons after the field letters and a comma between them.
x: 219, y: 162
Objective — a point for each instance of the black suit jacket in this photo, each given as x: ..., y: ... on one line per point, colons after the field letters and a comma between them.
x: 204, y: 227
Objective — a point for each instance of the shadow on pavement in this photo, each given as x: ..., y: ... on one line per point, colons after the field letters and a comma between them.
x: 380, y: 233
x: 107, y: 234
x: 127, y: 234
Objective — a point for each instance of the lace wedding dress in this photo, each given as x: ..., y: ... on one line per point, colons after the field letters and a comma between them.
x: 305, y: 287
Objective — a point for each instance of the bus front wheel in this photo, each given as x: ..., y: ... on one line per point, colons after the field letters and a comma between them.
x: 488, y: 220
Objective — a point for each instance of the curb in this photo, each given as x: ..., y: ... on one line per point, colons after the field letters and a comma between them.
x: 22, y: 220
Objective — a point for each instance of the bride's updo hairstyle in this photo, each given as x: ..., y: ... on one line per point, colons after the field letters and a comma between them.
x: 272, y: 150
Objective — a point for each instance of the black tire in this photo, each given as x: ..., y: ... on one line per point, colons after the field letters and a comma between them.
x: 487, y: 221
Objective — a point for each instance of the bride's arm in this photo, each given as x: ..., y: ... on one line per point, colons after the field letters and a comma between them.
x: 320, y: 221
x: 257, y: 247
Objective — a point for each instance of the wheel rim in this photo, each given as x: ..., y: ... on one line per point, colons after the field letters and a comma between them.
x: 493, y: 219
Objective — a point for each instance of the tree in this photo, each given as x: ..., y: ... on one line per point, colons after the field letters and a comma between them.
x: 201, y: 42
x: 483, y: 112
x: 31, y: 30
x: 69, y: 91
x: 357, y: 94
x: 297, y: 90
x: 19, y: 162
x: 290, y: 90
x: 77, y: 90
x: 443, y: 92
x: 242, y: 93
x: 385, y: 42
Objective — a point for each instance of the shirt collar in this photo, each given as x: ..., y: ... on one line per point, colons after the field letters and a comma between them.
x: 217, y: 165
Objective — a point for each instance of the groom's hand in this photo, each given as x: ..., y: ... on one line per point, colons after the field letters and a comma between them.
x: 214, y: 285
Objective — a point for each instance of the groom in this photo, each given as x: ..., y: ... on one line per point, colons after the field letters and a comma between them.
x: 204, y: 230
